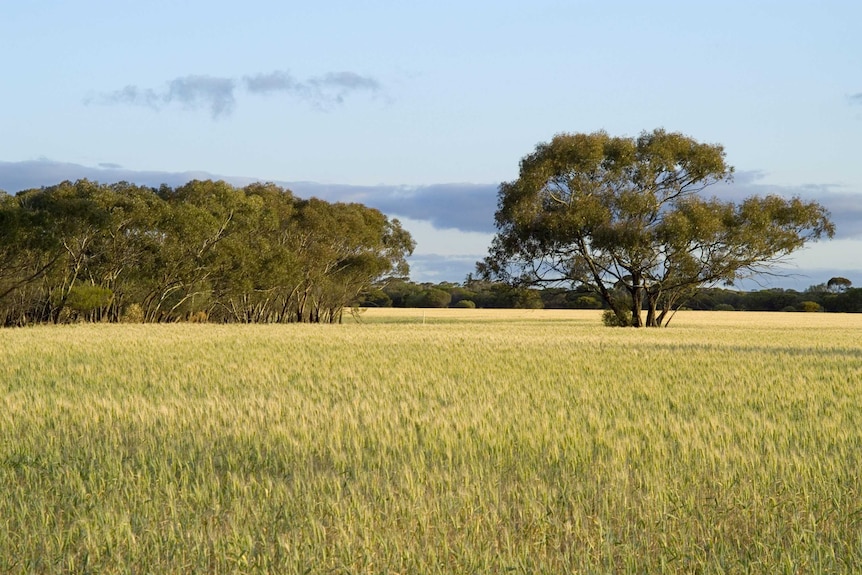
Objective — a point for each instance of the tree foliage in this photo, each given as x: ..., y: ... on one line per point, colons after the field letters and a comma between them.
x: 90, y: 251
x: 838, y: 284
x: 627, y: 218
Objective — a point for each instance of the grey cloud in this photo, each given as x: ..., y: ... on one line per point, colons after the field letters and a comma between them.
x: 347, y: 81
x: 278, y: 81
x: 132, y: 95
x: 193, y: 92
x: 844, y: 205
x: 465, y: 207
x: 468, y: 207
x: 856, y: 98
x: 196, y: 91
x: 322, y: 91
x: 219, y: 94
x: 18, y: 176
x: 471, y: 207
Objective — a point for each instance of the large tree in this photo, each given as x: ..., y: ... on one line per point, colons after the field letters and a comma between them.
x: 627, y: 217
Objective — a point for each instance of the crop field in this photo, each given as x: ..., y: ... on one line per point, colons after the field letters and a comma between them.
x: 443, y: 441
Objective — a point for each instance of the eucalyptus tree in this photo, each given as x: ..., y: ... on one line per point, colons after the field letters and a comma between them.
x: 27, y: 254
x: 628, y: 215
x: 838, y: 284
x: 199, y: 216
x: 258, y: 271
x: 371, y: 247
x: 343, y: 249
x: 69, y: 218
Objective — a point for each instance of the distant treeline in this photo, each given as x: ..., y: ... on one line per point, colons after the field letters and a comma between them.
x: 834, y: 296
x: 205, y: 251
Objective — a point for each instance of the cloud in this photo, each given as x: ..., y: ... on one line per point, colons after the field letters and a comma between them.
x: 856, y: 98
x: 322, y: 91
x: 437, y: 268
x: 18, y: 176
x: 844, y: 205
x: 278, y: 81
x: 132, y: 95
x: 192, y: 92
x: 218, y: 94
x: 465, y: 207
x: 196, y: 91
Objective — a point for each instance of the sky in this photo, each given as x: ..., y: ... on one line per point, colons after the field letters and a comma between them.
x: 422, y: 109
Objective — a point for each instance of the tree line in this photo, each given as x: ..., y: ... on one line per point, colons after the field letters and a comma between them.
x: 836, y: 295
x: 206, y: 250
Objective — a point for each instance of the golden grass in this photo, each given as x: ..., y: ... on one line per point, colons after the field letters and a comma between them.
x: 482, y: 441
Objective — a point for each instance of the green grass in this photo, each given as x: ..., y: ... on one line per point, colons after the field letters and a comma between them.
x: 477, y: 442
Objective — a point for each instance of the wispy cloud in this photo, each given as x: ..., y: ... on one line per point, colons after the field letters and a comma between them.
x: 855, y: 98
x: 131, y: 95
x: 195, y: 91
x: 192, y: 92
x: 322, y: 91
x: 278, y: 81
x: 218, y: 94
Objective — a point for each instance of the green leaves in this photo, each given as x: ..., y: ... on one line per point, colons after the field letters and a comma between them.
x: 205, y: 249
x: 621, y: 212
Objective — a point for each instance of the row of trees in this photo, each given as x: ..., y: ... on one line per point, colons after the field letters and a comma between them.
x: 837, y: 295
x: 821, y: 297
x: 472, y: 294
x: 205, y: 250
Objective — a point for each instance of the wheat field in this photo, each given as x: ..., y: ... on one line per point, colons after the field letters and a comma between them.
x: 437, y: 441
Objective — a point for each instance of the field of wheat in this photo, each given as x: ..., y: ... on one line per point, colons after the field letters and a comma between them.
x: 438, y: 441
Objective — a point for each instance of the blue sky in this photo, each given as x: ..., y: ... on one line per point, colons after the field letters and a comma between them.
x: 423, y: 108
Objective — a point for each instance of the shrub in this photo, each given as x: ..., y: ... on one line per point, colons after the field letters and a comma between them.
x: 85, y: 298
x: 465, y: 303
x: 133, y: 313
x: 610, y: 319
x: 375, y: 298
x: 587, y: 302
x: 199, y: 316
x: 810, y: 306
x: 431, y: 297
x: 724, y: 307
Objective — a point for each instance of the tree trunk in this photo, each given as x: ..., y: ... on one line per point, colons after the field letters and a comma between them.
x: 637, y: 300
x: 652, y: 320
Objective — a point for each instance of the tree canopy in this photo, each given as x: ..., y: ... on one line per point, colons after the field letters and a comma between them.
x: 628, y: 218
x: 205, y: 250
